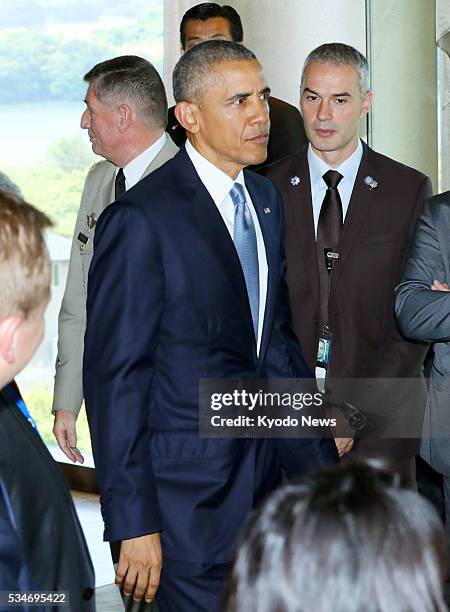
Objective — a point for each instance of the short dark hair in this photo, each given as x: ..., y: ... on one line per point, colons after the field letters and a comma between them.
x: 192, y: 74
x: 347, y: 540
x: 133, y: 79
x: 209, y: 10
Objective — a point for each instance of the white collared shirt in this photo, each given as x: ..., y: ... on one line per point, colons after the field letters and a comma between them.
x: 136, y: 167
x: 219, y: 186
x: 317, y: 168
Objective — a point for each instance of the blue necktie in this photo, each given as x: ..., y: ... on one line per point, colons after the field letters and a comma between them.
x: 244, y: 237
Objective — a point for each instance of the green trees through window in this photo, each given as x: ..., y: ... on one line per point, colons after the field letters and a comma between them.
x: 46, y: 46
x: 44, y: 61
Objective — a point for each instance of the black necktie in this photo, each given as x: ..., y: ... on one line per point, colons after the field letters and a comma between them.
x: 120, y: 183
x: 329, y: 231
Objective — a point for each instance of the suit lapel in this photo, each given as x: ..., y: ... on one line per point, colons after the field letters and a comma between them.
x: 361, y: 201
x: 298, y: 202
x: 211, y: 228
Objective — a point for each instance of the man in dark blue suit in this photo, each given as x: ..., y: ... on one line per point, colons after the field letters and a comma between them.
x: 187, y: 282
x: 15, y: 574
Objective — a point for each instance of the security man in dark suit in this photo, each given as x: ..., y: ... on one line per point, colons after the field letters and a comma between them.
x: 350, y: 214
x: 210, y: 21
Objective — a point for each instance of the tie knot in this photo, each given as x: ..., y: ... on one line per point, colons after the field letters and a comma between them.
x: 237, y: 194
x: 332, y: 178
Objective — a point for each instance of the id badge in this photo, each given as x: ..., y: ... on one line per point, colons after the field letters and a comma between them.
x: 324, y: 348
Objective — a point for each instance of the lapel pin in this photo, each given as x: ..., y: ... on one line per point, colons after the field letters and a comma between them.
x: 267, y: 211
x: 370, y: 182
x: 295, y: 181
x: 91, y: 221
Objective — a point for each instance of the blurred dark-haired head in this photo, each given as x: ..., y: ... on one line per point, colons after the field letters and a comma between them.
x: 345, y: 540
x: 208, y: 21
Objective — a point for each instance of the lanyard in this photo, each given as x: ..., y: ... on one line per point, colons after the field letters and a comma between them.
x: 18, y: 401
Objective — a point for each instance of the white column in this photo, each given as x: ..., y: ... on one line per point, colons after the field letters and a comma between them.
x: 403, y: 50
x: 282, y: 34
x: 173, y: 13
x: 443, y: 41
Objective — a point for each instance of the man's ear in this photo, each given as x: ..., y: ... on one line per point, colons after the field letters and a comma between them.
x: 125, y: 115
x: 367, y: 104
x: 9, y: 327
x: 187, y: 116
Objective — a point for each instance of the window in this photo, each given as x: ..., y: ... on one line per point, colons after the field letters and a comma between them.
x: 46, y: 46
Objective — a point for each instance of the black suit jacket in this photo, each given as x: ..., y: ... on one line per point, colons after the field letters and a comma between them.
x: 46, y: 521
x: 167, y: 304
x: 287, y: 134
x: 376, y: 235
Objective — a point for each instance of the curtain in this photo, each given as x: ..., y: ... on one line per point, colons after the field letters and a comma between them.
x: 443, y: 42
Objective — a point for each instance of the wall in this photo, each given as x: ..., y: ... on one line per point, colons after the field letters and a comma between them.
x: 403, y: 58
x: 283, y: 33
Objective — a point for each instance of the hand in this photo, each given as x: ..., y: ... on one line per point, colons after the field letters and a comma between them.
x: 438, y: 286
x: 343, y: 445
x: 342, y: 430
x: 139, y: 567
x: 65, y: 433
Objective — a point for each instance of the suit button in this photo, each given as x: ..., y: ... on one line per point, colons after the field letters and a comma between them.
x: 316, y: 319
x: 87, y: 594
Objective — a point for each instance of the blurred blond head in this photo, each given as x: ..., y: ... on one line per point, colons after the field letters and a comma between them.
x: 24, y: 283
x: 24, y: 262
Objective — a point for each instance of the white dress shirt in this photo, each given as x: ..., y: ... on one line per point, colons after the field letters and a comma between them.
x: 348, y: 169
x: 136, y: 167
x: 219, y: 185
